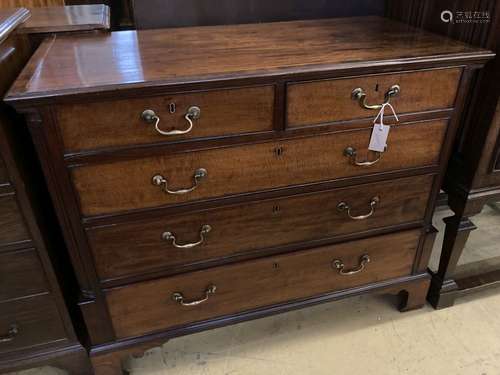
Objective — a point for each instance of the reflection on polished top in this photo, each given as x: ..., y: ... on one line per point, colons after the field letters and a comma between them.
x: 92, y: 63
x: 10, y: 19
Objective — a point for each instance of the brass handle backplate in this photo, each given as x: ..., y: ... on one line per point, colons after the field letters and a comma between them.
x: 11, y: 334
x: 199, y: 174
x: 343, y: 206
x: 360, y: 95
x: 352, y: 154
x: 340, y: 267
x: 169, y: 236
x: 193, y: 113
x: 179, y: 297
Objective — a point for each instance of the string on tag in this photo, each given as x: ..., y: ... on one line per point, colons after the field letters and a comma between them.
x: 381, y: 114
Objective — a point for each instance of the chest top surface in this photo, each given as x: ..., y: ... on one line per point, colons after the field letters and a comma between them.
x: 96, y: 63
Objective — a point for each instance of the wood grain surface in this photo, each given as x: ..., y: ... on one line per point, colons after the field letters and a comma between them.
x: 127, y: 185
x: 324, y: 101
x: 148, y: 306
x: 115, y: 123
x: 184, y: 55
x: 138, y: 247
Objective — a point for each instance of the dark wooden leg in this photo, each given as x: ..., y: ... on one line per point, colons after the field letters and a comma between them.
x: 108, y: 364
x: 443, y: 290
x: 112, y: 363
x: 413, y: 295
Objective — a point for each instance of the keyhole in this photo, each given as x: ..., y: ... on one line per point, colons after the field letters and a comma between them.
x: 276, y: 265
x: 276, y: 209
x: 278, y: 151
x: 172, y: 108
x: 376, y: 87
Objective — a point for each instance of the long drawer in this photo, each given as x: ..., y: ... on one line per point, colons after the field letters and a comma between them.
x: 317, y: 102
x: 12, y: 227
x: 120, y: 123
x: 170, y: 241
x: 165, y: 303
x: 21, y: 274
x: 28, y: 323
x: 142, y: 183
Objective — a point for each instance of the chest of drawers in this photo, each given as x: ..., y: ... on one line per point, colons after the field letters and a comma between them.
x: 205, y: 176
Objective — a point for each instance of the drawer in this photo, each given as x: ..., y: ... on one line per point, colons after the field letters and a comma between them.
x: 318, y: 102
x: 28, y: 323
x: 119, y: 123
x: 142, y: 246
x: 21, y: 274
x: 150, y: 306
x: 12, y: 226
x: 128, y: 185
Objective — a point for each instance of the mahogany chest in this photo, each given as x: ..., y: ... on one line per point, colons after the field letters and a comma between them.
x: 209, y: 175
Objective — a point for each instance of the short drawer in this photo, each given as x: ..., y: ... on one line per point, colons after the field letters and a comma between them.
x: 169, y: 241
x: 157, y: 305
x: 142, y: 183
x: 325, y: 101
x: 12, y: 226
x: 28, y: 323
x: 21, y: 274
x: 120, y: 123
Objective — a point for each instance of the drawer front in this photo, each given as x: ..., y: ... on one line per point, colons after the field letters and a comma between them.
x: 312, y: 103
x: 138, y: 247
x: 150, y: 306
x: 12, y: 227
x: 121, y: 186
x: 29, y: 323
x: 21, y: 274
x: 119, y: 123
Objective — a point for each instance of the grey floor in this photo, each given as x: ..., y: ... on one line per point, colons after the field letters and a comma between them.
x: 362, y: 335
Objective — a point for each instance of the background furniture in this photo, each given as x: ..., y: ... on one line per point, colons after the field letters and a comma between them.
x: 35, y: 327
x: 473, y: 175
x: 149, y: 14
x: 209, y: 176
x: 10, y: 4
x: 35, y: 323
x: 121, y: 11
x: 66, y: 19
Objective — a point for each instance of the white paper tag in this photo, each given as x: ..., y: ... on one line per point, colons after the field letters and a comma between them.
x: 380, y: 133
x: 378, y: 140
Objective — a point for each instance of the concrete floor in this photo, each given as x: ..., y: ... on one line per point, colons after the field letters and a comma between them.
x: 362, y: 335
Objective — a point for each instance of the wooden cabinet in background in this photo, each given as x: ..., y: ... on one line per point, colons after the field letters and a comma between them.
x: 473, y: 174
x: 35, y: 324
x: 10, y: 4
